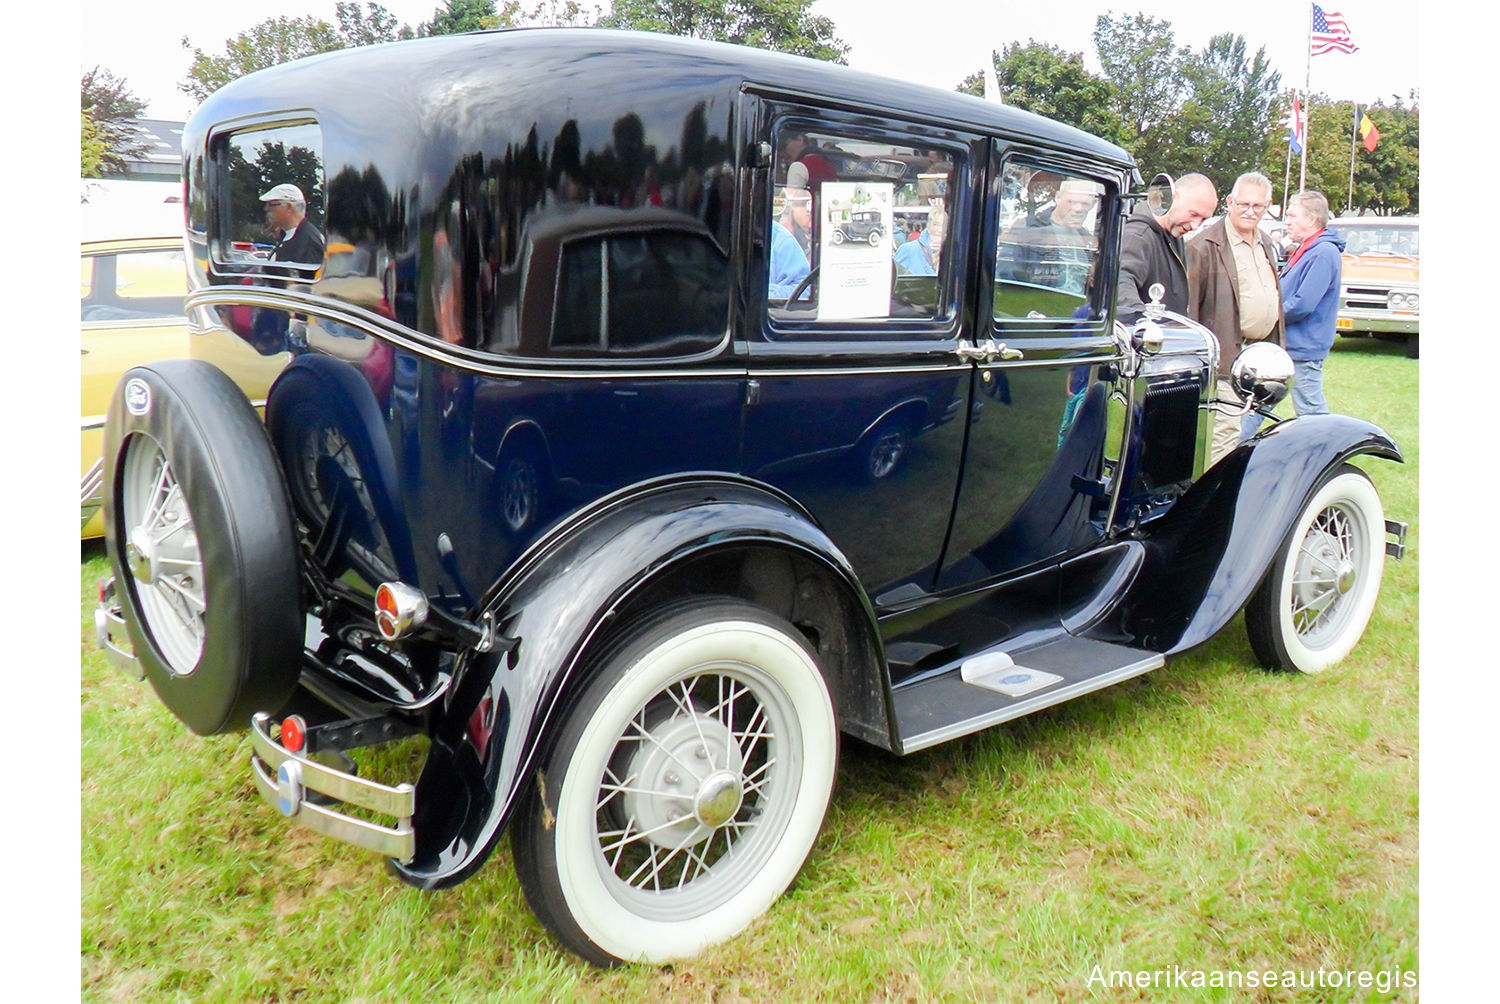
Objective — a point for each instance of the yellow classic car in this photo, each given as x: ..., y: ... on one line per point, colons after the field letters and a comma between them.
x: 1380, y: 294
x: 132, y: 290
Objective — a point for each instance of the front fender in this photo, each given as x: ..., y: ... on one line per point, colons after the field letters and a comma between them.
x: 553, y: 602
x: 1203, y: 559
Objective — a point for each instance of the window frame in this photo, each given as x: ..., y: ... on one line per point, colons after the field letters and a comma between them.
x: 1068, y: 330
x: 778, y: 114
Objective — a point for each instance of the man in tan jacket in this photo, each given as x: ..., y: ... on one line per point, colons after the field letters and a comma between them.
x: 1234, y: 292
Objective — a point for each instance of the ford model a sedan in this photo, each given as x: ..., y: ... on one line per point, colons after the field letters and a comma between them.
x: 606, y: 474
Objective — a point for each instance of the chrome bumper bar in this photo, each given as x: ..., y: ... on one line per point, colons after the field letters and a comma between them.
x: 286, y: 779
x: 1396, y: 548
x: 109, y: 631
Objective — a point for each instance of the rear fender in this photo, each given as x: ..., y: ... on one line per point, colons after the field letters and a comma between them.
x: 563, y: 594
x: 1203, y: 559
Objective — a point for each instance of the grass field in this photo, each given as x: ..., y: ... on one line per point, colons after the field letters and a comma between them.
x: 1209, y: 816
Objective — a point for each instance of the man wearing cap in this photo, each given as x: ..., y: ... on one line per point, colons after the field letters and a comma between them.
x: 286, y: 214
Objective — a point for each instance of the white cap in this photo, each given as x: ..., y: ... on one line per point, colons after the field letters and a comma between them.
x: 284, y: 192
x: 796, y: 175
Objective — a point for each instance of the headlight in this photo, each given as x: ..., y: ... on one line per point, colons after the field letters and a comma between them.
x: 1403, y: 301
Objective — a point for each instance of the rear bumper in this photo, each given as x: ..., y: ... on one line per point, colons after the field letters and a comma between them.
x: 110, y: 633
x: 287, y: 779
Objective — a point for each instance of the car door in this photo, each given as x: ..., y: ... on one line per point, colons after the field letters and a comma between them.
x: 1034, y: 470
x: 857, y: 391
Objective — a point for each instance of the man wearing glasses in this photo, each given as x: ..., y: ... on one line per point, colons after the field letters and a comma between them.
x: 1234, y: 292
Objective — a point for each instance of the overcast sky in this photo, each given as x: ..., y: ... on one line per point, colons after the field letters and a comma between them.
x: 911, y: 40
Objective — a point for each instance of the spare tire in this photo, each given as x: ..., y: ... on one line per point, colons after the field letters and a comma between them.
x: 201, y: 542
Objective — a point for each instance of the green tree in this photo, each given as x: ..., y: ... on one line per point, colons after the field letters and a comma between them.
x: 112, y: 109
x: 1385, y: 180
x: 458, y: 16
x: 92, y: 148
x: 1232, y: 105
x: 282, y: 39
x: 359, y: 25
x: 781, y: 25
x: 1143, y: 63
x: 1042, y: 78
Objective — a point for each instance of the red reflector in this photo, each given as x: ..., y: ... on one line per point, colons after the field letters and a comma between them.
x: 103, y: 589
x: 293, y: 733
x: 385, y: 600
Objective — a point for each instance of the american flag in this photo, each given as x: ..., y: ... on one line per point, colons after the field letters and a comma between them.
x: 1330, y: 33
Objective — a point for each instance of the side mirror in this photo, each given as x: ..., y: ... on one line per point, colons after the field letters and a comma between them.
x: 1262, y: 374
x: 1159, y: 194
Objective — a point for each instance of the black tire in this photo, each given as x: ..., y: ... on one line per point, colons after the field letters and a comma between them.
x: 838, y: 237
x: 202, y: 546
x: 668, y: 886
x: 1314, y: 603
x: 882, y: 450
x: 1412, y: 348
x: 874, y: 238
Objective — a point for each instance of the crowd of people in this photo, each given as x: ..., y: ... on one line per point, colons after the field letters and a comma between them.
x: 1227, y: 279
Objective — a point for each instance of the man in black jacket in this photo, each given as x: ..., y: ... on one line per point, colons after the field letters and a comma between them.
x: 1151, y: 248
x: 286, y: 213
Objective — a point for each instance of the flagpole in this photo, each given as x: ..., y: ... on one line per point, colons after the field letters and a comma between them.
x: 1286, y: 179
x: 1353, y: 136
x: 1307, y: 108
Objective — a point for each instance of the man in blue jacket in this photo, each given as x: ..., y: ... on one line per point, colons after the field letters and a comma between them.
x: 1310, y: 297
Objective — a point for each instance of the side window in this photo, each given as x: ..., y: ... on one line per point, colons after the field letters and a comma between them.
x: 133, y: 286
x: 648, y: 293
x: 1049, y: 226
x: 857, y: 226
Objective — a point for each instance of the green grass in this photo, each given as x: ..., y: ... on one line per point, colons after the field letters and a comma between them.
x: 1207, y: 815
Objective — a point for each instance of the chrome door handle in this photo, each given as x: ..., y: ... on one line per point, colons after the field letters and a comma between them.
x: 988, y: 351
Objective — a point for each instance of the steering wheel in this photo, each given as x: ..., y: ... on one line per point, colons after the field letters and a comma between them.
x: 801, y: 288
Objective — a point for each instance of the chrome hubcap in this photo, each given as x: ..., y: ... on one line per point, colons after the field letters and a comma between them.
x: 687, y: 781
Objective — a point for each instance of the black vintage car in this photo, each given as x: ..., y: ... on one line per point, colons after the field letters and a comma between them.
x: 552, y: 488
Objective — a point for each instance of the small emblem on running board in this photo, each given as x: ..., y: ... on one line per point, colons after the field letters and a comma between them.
x: 997, y: 671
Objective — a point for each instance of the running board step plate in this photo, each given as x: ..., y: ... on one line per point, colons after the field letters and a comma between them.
x: 993, y: 687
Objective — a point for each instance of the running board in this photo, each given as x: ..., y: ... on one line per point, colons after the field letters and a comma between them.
x: 993, y: 687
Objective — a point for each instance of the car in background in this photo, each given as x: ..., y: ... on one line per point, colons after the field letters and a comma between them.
x: 131, y: 289
x: 1380, y: 294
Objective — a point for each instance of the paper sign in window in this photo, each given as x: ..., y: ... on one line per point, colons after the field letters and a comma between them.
x: 855, y: 250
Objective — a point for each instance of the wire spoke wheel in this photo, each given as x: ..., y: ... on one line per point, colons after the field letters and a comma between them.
x: 686, y: 789
x: 162, y: 554
x: 1315, y: 601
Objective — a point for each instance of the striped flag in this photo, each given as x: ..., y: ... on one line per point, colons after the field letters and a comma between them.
x: 1368, y: 133
x: 1330, y: 32
x: 1294, y: 128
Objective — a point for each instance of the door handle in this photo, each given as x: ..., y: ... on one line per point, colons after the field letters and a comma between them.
x: 988, y: 351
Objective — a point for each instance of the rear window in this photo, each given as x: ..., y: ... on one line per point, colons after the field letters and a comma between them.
x: 272, y: 208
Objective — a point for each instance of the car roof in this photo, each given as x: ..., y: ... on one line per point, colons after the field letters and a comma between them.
x: 425, y: 75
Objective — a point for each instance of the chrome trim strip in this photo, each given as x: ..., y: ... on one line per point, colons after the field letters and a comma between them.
x: 1043, y: 700
x: 423, y: 345
x: 91, y: 486
x: 88, y: 423
x: 396, y: 842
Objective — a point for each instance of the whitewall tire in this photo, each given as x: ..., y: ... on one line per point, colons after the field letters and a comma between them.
x: 685, y: 790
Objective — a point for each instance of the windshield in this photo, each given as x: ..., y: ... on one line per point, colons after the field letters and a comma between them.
x: 1364, y: 239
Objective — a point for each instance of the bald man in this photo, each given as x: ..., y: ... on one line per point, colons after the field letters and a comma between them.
x: 1151, y: 248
